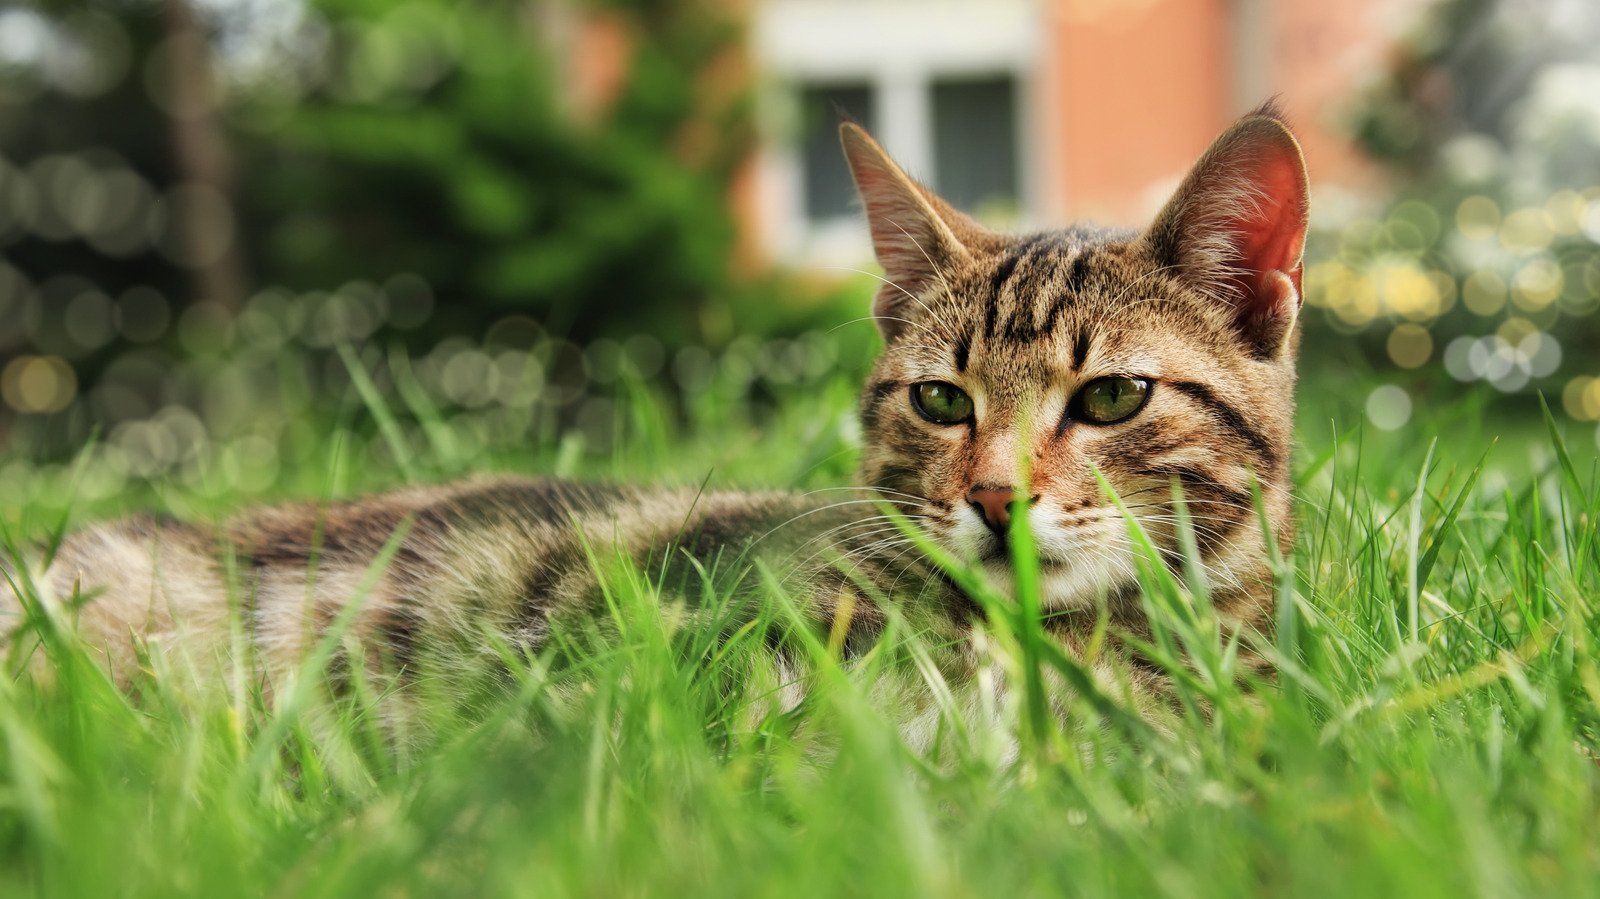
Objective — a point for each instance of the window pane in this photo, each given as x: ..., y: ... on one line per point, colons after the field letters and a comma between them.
x: 975, y: 141
x: 829, y: 190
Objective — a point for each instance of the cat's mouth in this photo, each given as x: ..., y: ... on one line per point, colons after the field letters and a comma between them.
x: 998, y: 552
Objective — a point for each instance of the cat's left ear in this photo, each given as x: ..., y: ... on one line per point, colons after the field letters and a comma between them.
x: 916, y: 235
x: 1237, y: 225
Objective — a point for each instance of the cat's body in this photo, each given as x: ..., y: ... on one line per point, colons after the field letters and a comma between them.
x: 511, y: 557
x: 1016, y: 372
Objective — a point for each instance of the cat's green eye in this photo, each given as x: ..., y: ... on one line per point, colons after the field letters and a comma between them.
x: 1110, y: 399
x: 941, y: 403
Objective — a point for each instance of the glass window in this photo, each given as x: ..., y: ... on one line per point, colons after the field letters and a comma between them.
x: 975, y: 141
x: 829, y: 191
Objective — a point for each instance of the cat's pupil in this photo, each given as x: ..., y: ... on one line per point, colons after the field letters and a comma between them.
x: 941, y: 403
x: 1112, y: 399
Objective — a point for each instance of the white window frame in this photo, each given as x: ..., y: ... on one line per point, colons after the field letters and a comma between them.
x: 899, y: 48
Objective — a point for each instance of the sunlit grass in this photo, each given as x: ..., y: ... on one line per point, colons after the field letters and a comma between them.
x: 1432, y: 730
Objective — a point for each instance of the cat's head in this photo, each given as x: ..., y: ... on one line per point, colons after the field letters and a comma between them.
x: 1015, y: 366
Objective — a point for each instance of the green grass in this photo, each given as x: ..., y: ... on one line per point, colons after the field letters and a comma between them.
x: 1433, y: 730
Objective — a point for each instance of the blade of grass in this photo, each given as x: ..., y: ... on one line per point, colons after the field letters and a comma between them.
x: 1413, y: 544
x: 446, y: 448
x: 1567, y: 469
x: 314, y: 666
x: 1075, y: 673
x: 1440, y: 532
x: 392, y: 435
x: 59, y: 532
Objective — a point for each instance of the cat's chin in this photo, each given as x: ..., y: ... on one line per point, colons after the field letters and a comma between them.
x: 1062, y: 585
x: 1079, y: 567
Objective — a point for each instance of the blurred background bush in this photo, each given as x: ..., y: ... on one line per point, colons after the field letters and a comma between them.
x: 225, y: 224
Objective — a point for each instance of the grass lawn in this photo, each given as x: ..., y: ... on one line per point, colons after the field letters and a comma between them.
x: 1435, y: 728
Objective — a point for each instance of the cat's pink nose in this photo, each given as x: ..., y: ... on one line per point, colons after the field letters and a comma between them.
x: 995, y: 505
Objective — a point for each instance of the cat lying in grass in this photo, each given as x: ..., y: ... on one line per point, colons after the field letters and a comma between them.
x: 1021, y: 377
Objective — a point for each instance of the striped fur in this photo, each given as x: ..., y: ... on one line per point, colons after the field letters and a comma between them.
x: 1202, y: 306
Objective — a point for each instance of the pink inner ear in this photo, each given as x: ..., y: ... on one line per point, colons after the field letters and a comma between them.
x: 1273, y: 238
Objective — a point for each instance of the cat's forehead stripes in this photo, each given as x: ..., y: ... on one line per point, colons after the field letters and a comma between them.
x: 1026, y: 254
x: 1032, y: 283
x: 1037, y: 299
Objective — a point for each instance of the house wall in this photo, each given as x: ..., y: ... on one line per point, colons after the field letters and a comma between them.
x: 1119, y: 96
x: 1140, y: 88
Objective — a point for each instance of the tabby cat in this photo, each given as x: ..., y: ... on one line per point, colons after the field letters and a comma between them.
x: 1014, y: 368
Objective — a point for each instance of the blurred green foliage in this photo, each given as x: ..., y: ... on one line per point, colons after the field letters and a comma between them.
x: 569, y: 159
x: 1485, y: 260
x: 440, y: 140
x: 519, y: 177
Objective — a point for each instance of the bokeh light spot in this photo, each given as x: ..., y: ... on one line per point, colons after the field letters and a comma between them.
x: 1413, y: 226
x: 122, y: 228
x: 517, y: 332
x: 1540, y: 353
x: 1537, y: 284
x: 1484, y: 292
x: 91, y: 54
x: 1409, y: 292
x: 1478, y: 217
x: 603, y: 360
x: 1444, y: 287
x: 161, y: 77
x: 1565, y: 211
x: 1354, y: 301
x: 1388, y: 407
x: 1574, y: 399
x: 1410, y: 346
x: 90, y: 320
x: 1357, y: 238
x: 470, y: 378
x: 1526, y: 229
x: 38, y: 384
x: 53, y: 176
x: 1513, y: 330
x: 645, y: 354
x: 1322, y: 280
x: 19, y: 202
x: 1459, y: 359
x: 694, y: 367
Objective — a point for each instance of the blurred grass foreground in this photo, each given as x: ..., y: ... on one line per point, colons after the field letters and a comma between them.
x: 253, y: 249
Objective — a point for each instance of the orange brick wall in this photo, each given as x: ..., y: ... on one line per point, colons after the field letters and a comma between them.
x: 1135, y: 89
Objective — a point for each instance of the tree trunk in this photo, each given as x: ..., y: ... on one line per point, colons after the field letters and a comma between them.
x: 207, y: 232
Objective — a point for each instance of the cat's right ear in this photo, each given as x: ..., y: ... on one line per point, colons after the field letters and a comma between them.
x: 1237, y: 227
x: 914, y: 233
